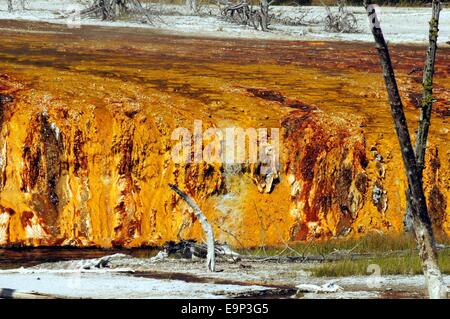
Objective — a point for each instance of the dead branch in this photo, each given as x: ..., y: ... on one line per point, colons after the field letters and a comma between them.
x: 110, y: 10
x: 421, y: 220
x: 6, y: 293
x: 232, y: 235
x: 342, y: 21
x: 298, y: 20
x: 286, y: 245
x: 189, y: 249
x: 262, y: 231
x: 245, y: 14
x: 207, y: 228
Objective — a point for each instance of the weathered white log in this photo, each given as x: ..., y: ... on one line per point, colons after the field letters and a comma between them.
x: 207, y: 228
x: 6, y: 293
x: 192, y: 6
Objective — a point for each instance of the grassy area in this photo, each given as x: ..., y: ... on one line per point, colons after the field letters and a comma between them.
x: 404, y: 264
x: 375, y: 243
x: 394, y: 254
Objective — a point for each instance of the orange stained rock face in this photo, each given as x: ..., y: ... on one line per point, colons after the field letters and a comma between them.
x: 87, y: 117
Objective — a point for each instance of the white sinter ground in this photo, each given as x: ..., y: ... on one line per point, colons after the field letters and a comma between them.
x: 400, y: 25
x: 112, y: 284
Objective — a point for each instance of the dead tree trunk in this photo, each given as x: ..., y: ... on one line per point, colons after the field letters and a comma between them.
x: 192, y: 6
x: 112, y: 9
x: 421, y: 219
x: 207, y: 228
x: 10, y: 6
x: 265, y: 15
x: 427, y: 100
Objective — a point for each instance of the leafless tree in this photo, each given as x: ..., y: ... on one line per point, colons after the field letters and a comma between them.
x: 207, y: 228
x: 417, y: 202
x: 23, y: 4
x: 342, y: 21
x: 427, y: 100
x: 192, y: 5
x: 112, y: 9
x: 246, y: 14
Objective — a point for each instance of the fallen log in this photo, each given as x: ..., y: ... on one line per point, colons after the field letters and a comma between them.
x: 190, y: 249
x: 6, y: 293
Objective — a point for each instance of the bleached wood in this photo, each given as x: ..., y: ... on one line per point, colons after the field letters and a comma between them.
x: 207, y: 228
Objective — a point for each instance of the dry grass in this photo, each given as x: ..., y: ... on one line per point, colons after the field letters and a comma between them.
x: 370, y: 244
x: 394, y: 254
x: 404, y: 264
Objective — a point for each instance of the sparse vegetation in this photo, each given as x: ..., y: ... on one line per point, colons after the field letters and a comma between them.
x: 394, y: 254
x: 342, y: 20
x: 406, y: 263
x: 370, y: 244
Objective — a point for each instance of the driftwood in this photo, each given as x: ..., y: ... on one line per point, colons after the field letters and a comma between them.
x: 207, y: 228
x: 6, y: 293
x: 189, y: 249
x: 421, y: 220
x: 185, y: 249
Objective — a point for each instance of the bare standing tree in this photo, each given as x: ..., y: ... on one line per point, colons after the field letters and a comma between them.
x: 342, y: 21
x: 421, y: 220
x: 207, y: 228
x: 112, y: 9
x: 244, y: 13
x: 427, y: 100
x: 192, y: 5
x: 10, y: 6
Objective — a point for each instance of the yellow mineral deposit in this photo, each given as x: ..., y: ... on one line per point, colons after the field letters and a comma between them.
x: 87, y: 116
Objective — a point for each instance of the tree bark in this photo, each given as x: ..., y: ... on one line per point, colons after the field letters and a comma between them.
x: 10, y: 6
x: 192, y: 6
x: 421, y: 220
x: 427, y: 100
x: 264, y: 15
x: 207, y: 228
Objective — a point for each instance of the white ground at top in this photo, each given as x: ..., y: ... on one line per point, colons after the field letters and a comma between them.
x: 400, y: 25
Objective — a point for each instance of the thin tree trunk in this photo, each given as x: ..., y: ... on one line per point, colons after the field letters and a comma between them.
x: 427, y: 100
x: 210, y: 257
x: 421, y: 219
x: 264, y: 15
x: 10, y: 6
x: 191, y: 5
